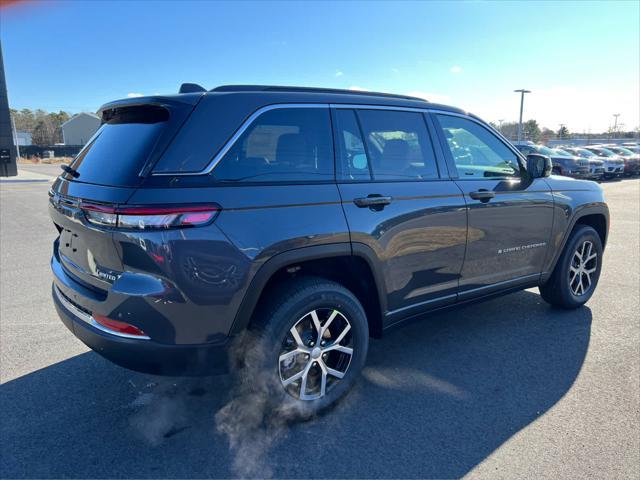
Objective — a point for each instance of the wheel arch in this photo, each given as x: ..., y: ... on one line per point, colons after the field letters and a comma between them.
x: 595, y: 216
x: 353, y: 266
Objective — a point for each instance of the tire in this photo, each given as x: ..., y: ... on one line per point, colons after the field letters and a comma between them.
x: 290, y: 306
x: 566, y: 288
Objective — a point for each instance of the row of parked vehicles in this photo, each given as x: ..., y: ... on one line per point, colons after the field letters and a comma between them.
x: 596, y: 162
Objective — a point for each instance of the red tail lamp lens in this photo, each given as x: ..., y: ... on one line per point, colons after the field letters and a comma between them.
x: 117, y: 326
x: 151, y: 217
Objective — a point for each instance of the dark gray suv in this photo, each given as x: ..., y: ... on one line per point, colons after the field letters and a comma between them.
x: 307, y: 220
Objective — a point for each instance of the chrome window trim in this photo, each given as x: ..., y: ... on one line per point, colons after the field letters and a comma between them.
x: 467, y: 116
x: 238, y: 133
x: 361, y: 106
x: 88, y: 319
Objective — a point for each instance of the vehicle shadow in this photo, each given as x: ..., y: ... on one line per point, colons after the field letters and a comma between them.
x: 436, y: 398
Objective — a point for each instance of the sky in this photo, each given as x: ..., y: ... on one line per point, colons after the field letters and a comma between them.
x: 580, y: 60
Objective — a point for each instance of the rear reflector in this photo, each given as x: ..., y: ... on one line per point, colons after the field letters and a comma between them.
x: 151, y: 217
x: 117, y: 326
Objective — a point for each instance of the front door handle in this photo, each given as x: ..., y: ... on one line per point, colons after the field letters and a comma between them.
x: 374, y: 200
x: 482, y: 195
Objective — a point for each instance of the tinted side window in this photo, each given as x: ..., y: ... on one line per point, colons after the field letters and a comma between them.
x: 476, y: 151
x: 352, y: 155
x: 398, y: 145
x: 289, y: 144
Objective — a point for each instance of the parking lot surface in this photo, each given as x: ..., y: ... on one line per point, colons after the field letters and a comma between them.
x: 507, y: 388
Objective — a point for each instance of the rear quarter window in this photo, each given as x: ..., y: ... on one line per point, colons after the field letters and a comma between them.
x: 281, y: 145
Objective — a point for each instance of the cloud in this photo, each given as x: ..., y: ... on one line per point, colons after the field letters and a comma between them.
x: 456, y: 69
x: 339, y: 73
x: 355, y: 87
x: 134, y: 95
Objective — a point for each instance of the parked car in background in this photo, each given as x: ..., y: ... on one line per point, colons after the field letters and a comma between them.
x: 563, y: 163
x: 618, y: 163
x: 596, y: 164
x: 633, y: 146
x: 631, y: 159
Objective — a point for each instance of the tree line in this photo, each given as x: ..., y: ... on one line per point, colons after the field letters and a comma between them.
x: 44, y: 127
x: 532, y: 131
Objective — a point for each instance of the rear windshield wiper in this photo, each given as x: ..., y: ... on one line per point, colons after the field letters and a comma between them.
x: 70, y: 171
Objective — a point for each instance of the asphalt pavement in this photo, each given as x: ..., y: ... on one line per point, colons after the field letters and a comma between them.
x: 510, y: 388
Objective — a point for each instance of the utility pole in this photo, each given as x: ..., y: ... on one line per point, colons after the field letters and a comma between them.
x: 522, y: 91
x: 615, y: 124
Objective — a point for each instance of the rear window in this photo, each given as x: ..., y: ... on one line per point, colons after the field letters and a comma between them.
x: 282, y: 145
x: 120, y: 148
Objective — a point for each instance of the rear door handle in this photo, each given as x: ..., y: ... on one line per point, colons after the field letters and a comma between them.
x: 373, y: 200
x: 482, y: 195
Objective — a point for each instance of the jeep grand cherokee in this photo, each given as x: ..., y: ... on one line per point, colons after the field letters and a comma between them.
x: 312, y: 218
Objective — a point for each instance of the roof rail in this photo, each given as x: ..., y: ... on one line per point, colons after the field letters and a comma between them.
x: 191, y: 88
x: 279, y: 88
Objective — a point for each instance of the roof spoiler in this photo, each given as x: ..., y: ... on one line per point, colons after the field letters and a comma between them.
x: 191, y: 88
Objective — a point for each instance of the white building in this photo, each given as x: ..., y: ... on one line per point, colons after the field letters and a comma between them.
x: 23, y: 139
x: 80, y: 128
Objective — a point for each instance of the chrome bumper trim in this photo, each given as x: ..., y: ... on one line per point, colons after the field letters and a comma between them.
x: 88, y: 319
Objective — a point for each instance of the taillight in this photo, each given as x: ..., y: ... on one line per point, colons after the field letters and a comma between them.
x: 150, y: 218
x: 118, y: 326
x: 100, y: 215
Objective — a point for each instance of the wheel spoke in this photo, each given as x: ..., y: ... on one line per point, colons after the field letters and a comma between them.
x: 303, y: 383
x: 316, y: 324
x: 591, y: 257
x: 572, y: 275
x: 328, y: 322
x: 339, y: 348
x: 294, y: 377
x: 335, y: 373
x: 575, y: 285
x: 323, y: 380
x: 344, y: 331
x: 296, y: 336
x: 290, y: 354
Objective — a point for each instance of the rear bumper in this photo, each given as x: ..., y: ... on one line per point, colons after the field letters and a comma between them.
x: 141, y: 355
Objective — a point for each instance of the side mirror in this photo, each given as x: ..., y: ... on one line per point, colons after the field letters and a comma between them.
x: 538, y: 166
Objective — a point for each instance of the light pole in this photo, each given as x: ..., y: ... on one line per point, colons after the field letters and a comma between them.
x: 522, y: 92
x: 500, y: 125
x: 615, y: 124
